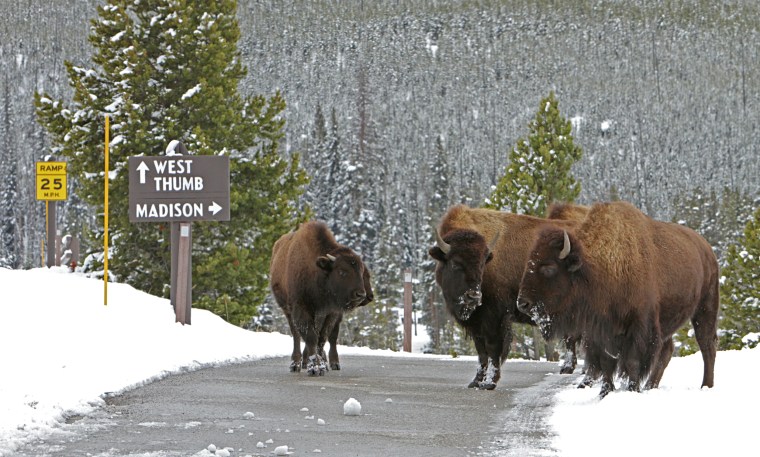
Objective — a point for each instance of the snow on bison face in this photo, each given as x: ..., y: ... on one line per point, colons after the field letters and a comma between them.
x: 546, y: 286
x: 461, y: 260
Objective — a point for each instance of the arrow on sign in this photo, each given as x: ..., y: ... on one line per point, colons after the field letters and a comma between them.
x: 142, y: 168
x: 214, y: 208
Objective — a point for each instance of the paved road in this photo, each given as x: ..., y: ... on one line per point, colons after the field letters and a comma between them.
x: 410, y: 406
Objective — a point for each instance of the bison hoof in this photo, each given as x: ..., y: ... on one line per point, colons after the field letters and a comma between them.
x: 587, y: 381
x: 473, y: 384
x: 487, y: 386
x: 295, y: 367
x: 566, y: 369
x: 335, y: 366
x: 316, y: 371
x: 606, y: 389
x: 316, y: 366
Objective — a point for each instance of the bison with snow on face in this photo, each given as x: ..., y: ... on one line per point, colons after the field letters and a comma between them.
x: 627, y: 283
x: 481, y: 255
x: 315, y: 280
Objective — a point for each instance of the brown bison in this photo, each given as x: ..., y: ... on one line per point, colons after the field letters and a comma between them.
x: 627, y: 283
x: 481, y: 256
x: 315, y: 280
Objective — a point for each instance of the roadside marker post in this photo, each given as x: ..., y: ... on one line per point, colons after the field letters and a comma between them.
x: 105, y: 221
x: 407, y: 310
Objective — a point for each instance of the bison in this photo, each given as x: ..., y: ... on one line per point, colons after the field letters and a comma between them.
x: 315, y: 280
x: 627, y: 283
x: 481, y: 256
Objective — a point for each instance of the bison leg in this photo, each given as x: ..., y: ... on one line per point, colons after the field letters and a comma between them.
x: 666, y: 352
x: 570, y: 358
x: 479, y: 375
x: 607, y: 386
x: 480, y: 346
x: 587, y: 381
x: 333, y: 339
x: 491, y: 376
x: 705, y: 323
x: 601, y: 364
x: 498, y: 349
x: 590, y: 372
x: 295, y: 357
x: 315, y: 364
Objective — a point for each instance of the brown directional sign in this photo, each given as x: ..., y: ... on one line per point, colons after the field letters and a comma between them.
x: 179, y: 188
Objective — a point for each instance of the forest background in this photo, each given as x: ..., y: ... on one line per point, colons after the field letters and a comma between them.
x: 419, y: 103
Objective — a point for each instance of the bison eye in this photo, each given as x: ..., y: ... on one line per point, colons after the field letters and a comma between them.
x: 455, y: 266
x: 548, y: 271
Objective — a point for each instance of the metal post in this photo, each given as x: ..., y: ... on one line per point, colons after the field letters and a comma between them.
x: 50, y: 205
x: 407, y: 310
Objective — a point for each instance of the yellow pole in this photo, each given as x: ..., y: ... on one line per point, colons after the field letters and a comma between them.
x: 105, y: 224
x: 45, y: 238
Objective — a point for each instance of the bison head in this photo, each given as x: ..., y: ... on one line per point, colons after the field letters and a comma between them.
x: 462, y: 258
x: 347, y: 279
x: 545, y: 290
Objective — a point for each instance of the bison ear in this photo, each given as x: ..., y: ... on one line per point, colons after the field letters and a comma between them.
x: 436, y: 253
x: 325, y: 263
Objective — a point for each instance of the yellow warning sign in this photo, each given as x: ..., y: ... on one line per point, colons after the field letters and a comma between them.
x: 51, y: 181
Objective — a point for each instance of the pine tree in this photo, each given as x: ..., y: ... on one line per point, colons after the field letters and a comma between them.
x: 740, y: 290
x: 326, y: 193
x: 719, y: 217
x: 9, y: 236
x: 538, y: 172
x: 164, y: 70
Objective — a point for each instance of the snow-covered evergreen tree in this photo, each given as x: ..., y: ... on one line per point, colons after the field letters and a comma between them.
x: 329, y: 172
x: 719, y: 217
x: 538, y: 172
x: 166, y: 70
x: 9, y: 236
x: 739, y: 325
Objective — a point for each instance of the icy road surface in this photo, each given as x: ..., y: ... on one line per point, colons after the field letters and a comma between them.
x: 409, y: 406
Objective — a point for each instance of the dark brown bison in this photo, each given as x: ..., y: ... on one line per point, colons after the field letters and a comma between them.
x: 315, y: 280
x: 627, y: 283
x: 481, y: 256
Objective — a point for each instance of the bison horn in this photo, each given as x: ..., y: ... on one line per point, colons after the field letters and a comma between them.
x: 444, y: 246
x: 330, y: 257
x: 565, y: 247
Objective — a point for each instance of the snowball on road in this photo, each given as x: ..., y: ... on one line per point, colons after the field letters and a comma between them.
x: 352, y: 407
x: 53, y: 325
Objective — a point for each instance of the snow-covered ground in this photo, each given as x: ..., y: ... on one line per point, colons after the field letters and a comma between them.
x: 61, y: 349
